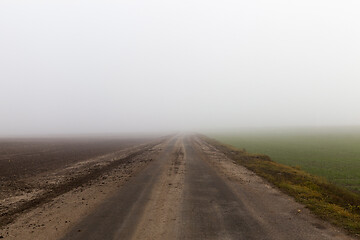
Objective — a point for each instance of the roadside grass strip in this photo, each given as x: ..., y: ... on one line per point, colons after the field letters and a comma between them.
x: 328, y: 201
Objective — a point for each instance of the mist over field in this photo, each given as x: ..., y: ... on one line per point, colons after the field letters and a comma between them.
x: 95, y: 67
x: 134, y: 119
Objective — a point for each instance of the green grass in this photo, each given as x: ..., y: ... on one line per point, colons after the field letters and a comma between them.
x: 328, y: 201
x: 333, y: 154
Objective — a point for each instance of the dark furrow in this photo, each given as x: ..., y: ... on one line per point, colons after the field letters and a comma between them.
x: 10, y: 216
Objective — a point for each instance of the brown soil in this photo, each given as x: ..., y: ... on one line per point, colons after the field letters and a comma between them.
x: 28, y: 157
x: 23, y: 191
x: 52, y: 219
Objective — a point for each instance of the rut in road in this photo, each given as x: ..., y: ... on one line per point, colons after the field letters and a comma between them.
x: 192, y: 191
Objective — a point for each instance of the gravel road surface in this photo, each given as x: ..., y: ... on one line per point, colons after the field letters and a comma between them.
x: 192, y: 191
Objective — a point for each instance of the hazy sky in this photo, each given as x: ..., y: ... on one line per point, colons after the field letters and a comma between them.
x: 133, y: 66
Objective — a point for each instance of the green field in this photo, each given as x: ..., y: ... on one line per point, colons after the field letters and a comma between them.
x: 330, y: 153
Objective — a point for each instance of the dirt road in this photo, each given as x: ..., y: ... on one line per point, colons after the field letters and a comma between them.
x: 192, y: 191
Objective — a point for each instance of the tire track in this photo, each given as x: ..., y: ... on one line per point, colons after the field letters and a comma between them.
x: 161, y: 216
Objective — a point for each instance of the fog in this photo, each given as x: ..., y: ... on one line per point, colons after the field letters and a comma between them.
x: 77, y: 67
